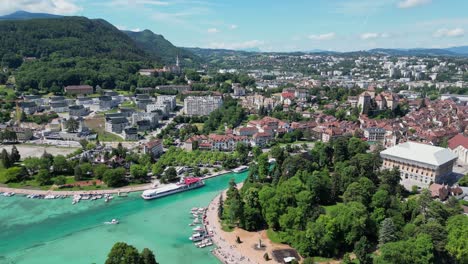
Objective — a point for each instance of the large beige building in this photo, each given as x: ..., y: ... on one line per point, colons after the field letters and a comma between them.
x: 419, y: 164
x: 201, y: 105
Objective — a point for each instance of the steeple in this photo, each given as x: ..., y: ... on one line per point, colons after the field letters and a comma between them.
x: 177, y: 60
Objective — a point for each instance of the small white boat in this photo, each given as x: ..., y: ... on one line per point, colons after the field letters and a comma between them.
x: 112, y: 222
x: 198, y: 229
x: 49, y: 196
x: 240, y: 169
x: 196, y: 237
x: 8, y: 194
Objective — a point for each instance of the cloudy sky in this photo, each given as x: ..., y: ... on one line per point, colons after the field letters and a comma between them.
x: 277, y: 25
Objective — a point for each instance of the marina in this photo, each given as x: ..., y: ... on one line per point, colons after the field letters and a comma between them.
x: 50, y: 230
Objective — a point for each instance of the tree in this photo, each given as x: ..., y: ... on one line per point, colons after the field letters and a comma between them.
x: 99, y: 170
x: 60, y: 164
x: 463, y: 181
x: 220, y: 207
x: 43, y: 177
x: 72, y: 125
x: 412, y: 251
x: 170, y: 175
x: 387, y: 231
x: 457, y: 238
x: 147, y: 257
x: 138, y: 172
x: 122, y: 253
x: 60, y: 180
x: 361, y: 249
x: 15, y: 155
x: 114, y: 177
x: 6, y: 162
x: 78, y: 173
x: 360, y: 191
x: 15, y: 174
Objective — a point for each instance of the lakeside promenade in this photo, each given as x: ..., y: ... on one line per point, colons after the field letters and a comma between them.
x: 228, y: 251
x: 225, y: 249
x: 128, y: 189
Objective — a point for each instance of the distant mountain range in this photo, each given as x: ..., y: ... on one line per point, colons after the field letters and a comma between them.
x: 160, y: 49
x: 23, y: 15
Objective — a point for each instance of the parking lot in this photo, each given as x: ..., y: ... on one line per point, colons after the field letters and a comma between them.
x: 37, y: 151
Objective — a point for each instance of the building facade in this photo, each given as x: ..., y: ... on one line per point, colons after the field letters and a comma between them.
x: 419, y: 164
x: 201, y: 105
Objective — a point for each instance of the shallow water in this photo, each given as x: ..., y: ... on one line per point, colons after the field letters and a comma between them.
x: 56, y: 232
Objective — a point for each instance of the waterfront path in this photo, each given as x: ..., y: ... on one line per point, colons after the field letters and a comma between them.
x: 108, y: 191
x: 228, y: 251
x: 128, y: 189
x: 225, y: 250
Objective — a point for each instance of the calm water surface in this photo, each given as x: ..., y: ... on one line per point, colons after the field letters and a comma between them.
x: 56, y: 232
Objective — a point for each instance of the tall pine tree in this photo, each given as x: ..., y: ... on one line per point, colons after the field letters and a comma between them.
x: 387, y: 231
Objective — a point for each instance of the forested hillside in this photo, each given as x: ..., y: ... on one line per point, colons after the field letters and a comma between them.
x: 66, y: 37
x: 161, y: 48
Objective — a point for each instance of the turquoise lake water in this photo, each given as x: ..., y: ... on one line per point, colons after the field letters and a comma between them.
x: 56, y: 232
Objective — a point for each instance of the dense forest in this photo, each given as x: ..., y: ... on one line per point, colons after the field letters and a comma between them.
x: 162, y: 49
x: 335, y: 200
x: 66, y: 37
x: 51, y: 53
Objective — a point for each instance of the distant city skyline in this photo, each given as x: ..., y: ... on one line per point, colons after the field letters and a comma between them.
x: 277, y: 25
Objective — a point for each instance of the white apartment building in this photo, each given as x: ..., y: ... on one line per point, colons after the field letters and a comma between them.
x: 201, y: 105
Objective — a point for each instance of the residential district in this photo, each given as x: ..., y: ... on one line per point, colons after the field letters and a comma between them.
x: 413, y: 110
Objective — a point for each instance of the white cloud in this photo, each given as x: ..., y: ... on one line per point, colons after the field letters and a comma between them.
x: 213, y: 30
x: 455, y: 32
x: 326, y: 36
x: 57, y: 7
x: 371, y: 35
x: 233, y: 26
x: 120, y: 27
x: 236, y: 45
x: 412, y: 3
x: 131, y: 3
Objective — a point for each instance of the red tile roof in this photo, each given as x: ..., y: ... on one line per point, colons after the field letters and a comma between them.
x: 458, y: 140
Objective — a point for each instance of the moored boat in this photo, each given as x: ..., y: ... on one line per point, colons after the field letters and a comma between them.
x: 185, y: 185
x: 240, y: 169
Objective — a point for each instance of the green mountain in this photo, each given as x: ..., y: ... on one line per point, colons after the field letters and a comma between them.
x: 23, y: 15
x: 67, y: 37
x: 161, y: 48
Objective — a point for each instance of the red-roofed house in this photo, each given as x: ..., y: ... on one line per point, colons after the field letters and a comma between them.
x: 226, y: 142
x: 154, y: 148
x: 459, y: 145
x: 261, y: 139
x: 287, y: 97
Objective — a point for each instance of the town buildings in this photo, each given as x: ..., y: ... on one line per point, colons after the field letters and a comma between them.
x: 154, y: 148
x: 419, y: 164
x: 78, y: 89
x: 459, y: 145
x: 201, y: 105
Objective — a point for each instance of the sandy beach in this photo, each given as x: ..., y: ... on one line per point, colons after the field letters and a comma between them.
x: 228, y: 251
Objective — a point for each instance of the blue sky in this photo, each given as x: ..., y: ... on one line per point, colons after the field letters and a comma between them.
x: 274, y: 25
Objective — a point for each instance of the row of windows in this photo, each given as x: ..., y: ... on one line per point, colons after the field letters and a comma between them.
x: 409, y: 168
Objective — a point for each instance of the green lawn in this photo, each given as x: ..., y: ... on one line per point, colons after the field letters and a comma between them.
x: 199, y: 126
x: 129, y: 104
x: 273, y: 236
x: 226, y: 227
x: 2, y: 173
x: 106, y: 136
x: 321, y: 259
x: 9, y: 91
